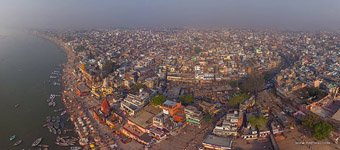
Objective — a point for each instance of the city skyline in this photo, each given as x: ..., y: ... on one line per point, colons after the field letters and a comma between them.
x: 295, y: 15
x: 170, y: 74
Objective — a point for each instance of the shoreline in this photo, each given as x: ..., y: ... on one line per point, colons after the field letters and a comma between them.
x: 69, y: 63
x: 87, y: 129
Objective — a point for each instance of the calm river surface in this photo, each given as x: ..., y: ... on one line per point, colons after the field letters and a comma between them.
x: 26, y: 63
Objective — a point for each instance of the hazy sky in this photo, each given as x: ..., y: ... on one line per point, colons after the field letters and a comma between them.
x: 113, y: 13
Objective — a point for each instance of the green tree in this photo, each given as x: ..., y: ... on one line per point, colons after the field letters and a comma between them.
x: 238, y: 99
x: 322, y: 130
x: 310, y: 121
x: 158, y: 99
x: 186, y: 99
x: 258, y: 121
x: 315, y: 92
x: 207, y: 118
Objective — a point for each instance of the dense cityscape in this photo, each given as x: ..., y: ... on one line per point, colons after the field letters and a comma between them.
x: 186, y: 88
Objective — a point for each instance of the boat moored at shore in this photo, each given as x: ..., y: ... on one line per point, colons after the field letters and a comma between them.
x: 17, y: 143
x: 37, y: 142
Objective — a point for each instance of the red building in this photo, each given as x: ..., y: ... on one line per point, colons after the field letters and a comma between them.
x: 174, y: 109
x: 105, y: 107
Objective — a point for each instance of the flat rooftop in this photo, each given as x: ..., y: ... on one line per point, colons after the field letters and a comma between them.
x: 218, y: 141
x: 144, y: 117
x: 169, y: 103
x: 336, y: 116
x: 321, y: 111
x: 133, y: 107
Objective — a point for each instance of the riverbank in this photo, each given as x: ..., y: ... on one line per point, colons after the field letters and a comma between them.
x: 68, y: 101
x: 90, y: 132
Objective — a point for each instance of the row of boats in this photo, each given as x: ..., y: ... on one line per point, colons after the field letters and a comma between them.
x: 55, y: 124
x: 66, y: 141
x: 18, y: 142
x: 55, y: 78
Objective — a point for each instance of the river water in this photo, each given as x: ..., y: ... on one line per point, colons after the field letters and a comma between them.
x: 26, y: 62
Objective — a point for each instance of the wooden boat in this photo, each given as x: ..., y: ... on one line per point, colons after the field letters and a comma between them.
x: 37, y: 142
x: 17, y: 143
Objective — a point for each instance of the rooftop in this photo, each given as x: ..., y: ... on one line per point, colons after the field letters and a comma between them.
x: 218, y: 141
x: 169, y: 103
x: 336, y: 116
x: 82, y: 87
x: 144, y: 117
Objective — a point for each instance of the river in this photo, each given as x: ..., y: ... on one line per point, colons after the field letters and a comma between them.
x: 26, y: 62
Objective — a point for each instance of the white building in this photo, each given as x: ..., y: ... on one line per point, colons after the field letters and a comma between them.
x: 133, y: 103
x: 228, y: 125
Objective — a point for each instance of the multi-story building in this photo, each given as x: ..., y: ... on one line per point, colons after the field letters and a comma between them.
x: 163, y: 121
x: 175, y: 110
x: 229, y: 125
x: 193, y: 115
x: 133, y: 103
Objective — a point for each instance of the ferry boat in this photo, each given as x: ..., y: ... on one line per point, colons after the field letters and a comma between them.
x: 37, y: 142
